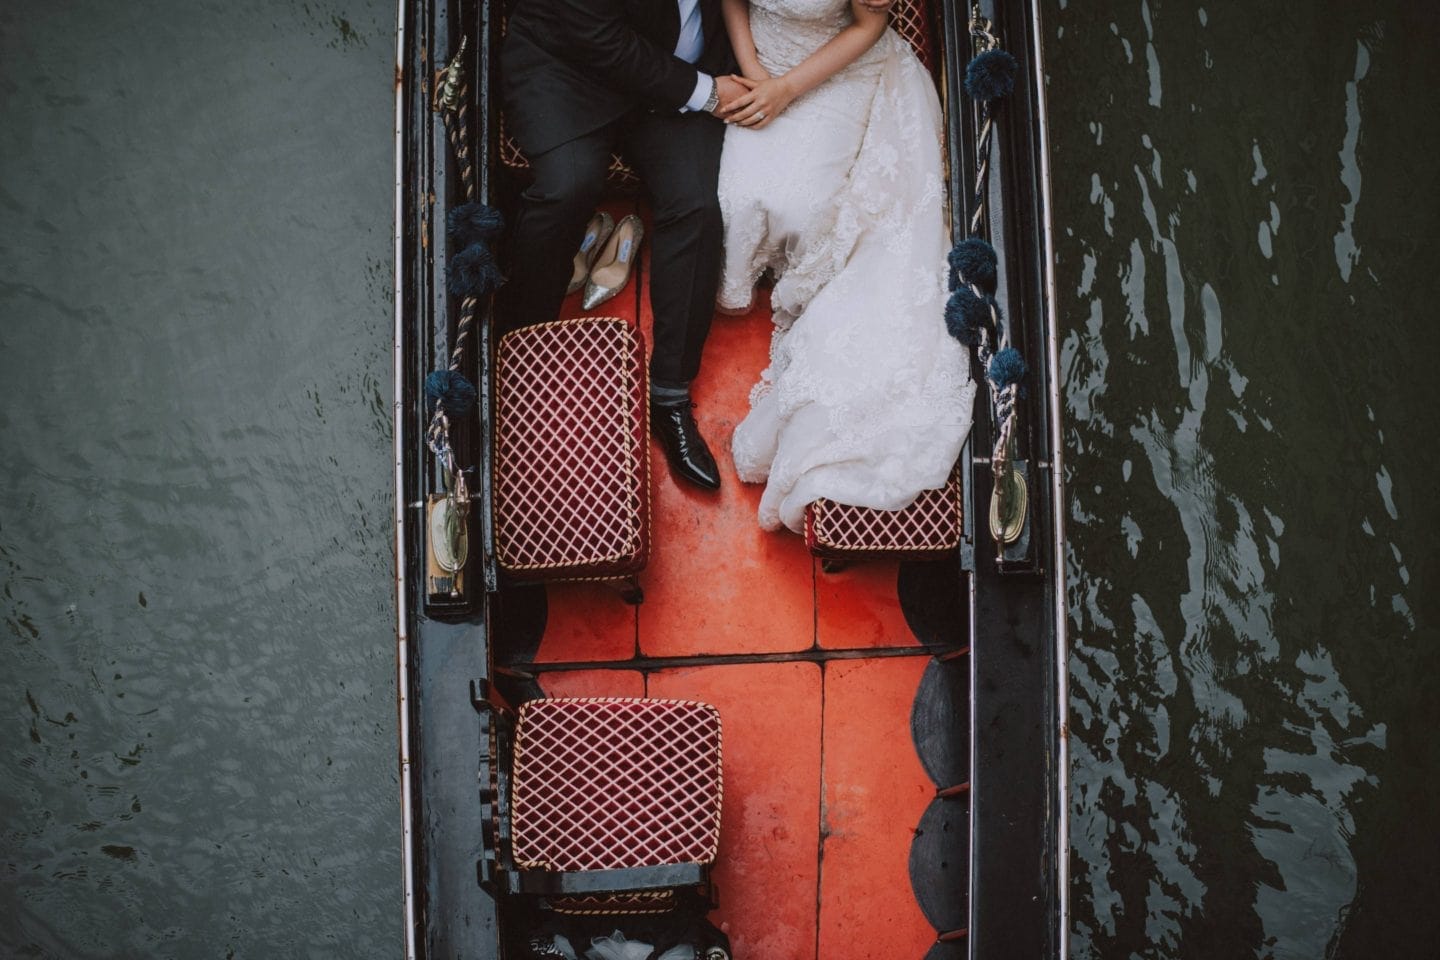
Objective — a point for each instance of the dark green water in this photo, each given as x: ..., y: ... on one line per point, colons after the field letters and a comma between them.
x: 1248, y: 207
x: 195, y: 498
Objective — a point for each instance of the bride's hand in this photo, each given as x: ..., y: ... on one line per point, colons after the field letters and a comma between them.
x: 758, y: 108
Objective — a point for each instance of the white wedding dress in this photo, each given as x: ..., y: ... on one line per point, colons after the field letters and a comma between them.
x: 867, y: 398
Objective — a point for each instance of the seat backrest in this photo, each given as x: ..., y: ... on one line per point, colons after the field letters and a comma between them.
x: 619, y: 172
x: 609, y: 784
x: 914, y: 20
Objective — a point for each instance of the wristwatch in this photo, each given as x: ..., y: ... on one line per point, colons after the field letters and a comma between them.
x: 714, y: 99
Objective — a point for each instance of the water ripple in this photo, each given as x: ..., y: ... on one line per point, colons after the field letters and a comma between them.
x: 1246, y: 645
x: 195, y: 554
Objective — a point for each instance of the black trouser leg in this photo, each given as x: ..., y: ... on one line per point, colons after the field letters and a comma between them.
x: 550, y: 225
x: 678, y: 156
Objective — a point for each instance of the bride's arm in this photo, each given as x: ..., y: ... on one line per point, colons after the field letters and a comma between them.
x: 770, y: 97
x: 737, y: 25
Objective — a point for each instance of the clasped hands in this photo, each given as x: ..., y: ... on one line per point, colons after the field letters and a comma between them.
x: 755, y: 100
x: 752, y: 102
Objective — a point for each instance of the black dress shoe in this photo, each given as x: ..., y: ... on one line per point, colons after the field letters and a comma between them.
x: 674, y: 426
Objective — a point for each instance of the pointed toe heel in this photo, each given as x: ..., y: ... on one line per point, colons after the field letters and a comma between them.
x: 597, y: 231
x: 613, y: 267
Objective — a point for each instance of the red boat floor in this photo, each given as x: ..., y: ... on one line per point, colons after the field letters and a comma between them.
x: 822, y: 786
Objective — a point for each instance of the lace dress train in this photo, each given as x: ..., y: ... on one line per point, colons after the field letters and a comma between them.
x: 867, y: 399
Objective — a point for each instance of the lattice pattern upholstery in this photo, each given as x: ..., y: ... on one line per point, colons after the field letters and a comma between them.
x: 607, y: 784
x: 658, y: 901
x: 913, y: 20
x: 572, y: 467
x: 929, y: 527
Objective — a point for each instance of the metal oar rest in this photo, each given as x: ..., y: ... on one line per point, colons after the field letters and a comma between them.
x: 572, y: 456
x: 928, y: 529
x: 604, y: 806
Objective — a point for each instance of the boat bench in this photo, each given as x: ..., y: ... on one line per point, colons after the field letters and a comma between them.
x: 914, y: 20
x: 612, y: 805
x: 834, y: 532
x: 571, y: 455
x: 928, y: 529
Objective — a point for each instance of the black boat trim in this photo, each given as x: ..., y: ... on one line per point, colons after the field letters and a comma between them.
x: 1057, y: 481
x: 524, y: 670
x: 576, y: 883
x: 1016, y: 592
x: 402, y: 612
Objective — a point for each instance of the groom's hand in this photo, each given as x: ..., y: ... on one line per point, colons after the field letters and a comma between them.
x: 739, y: 87
x: 763, y: 102
x: 731, y: 88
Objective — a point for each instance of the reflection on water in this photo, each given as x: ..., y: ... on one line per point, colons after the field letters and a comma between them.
x: 194, y: 496
x: 1247, y: 203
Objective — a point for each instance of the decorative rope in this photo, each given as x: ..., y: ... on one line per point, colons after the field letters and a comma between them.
x: 972, y: 314
x: 471, y: 275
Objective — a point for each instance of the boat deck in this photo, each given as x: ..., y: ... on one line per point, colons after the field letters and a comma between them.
x: 814, y: 673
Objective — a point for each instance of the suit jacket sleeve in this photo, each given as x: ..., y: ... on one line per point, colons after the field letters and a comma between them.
x: 602, y: 43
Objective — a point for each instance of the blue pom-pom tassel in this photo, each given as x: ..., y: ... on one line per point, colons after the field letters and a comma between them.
x: 473, y: 272
x: 973, y: 261
x: 1006, y: 367
x: 473, y: 223
x: 966, y: 314
x: 990, y: 76
x: 453, y: 392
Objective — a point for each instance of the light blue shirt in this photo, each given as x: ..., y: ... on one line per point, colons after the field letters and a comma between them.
x: 689, y: 47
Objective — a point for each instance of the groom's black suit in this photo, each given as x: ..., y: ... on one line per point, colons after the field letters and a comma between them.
x: 580, y: 77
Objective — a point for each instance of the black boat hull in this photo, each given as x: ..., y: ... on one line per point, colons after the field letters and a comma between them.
x: 1009, y: 739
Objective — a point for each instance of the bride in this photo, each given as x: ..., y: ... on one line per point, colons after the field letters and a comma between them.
x: 831, y: 177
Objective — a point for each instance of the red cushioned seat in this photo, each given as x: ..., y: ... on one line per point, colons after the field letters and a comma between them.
x: 615, y: 784
x: 571, y: 456
x: 929, y: 528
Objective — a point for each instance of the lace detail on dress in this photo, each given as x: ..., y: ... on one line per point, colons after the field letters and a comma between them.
x: 867, y: 398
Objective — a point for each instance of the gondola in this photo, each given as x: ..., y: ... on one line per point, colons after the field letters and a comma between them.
x: 894, y: 756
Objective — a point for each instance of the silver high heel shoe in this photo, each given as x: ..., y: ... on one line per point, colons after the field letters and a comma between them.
x: 597, y: 231
x: 612, y: 271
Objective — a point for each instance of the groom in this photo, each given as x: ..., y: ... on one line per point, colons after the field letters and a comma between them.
x: 581, y: 78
